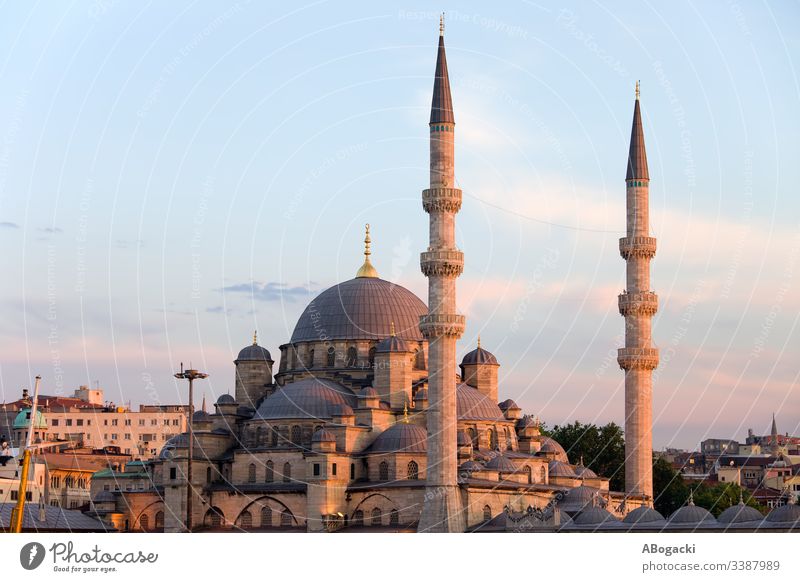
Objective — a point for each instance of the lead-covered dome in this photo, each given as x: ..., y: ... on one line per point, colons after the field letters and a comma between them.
x: 472, y: 405
x: 306, y: 398
x: 740, y: 513
x: 401, y: 438
x: 361, y: 308
x: 644, y: 514
x: 254, y: 353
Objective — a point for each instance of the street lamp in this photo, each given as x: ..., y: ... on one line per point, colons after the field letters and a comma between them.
x: 190, y: 375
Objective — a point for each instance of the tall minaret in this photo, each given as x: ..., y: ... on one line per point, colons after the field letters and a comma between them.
x: 442, y: 263
x: 638, y: 304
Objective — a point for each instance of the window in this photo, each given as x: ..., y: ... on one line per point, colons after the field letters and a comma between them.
x: 352, y: 357
x: 246, y: 520
x: 54, y: 422
x: 473, y: 436
x: 333, y: 469
x: 352, y: 471
x: 372, y: 357
x: 419, y: 359
x: 394, y: 517
x: 69, y: 422
x: 269, y: 477
x: 297, y: 435
x: 508, y: 440
x: 383, y: 471
x: 266, y: 517
x: 251, y: 473
x: 286, y: 518
x: 376, y: 517
x: 492, y: 438
x: 153, y: 422
x: 311, y: 358
x: 144, y: 523
x: 159, y: 520
x: 274, y: 437
x: 487, y: 513
x: 114, y: 436
x: 543, y: 474
x: 79, y: 422
x: 527, y: 470
x: 331, y: 357
x: 358, y: 518
x: 127, y: 436
x: 114, y: 422
x: 287, y: 472
x: 173, y: 473
x: 316, y: 469
x: 259, y: 436
x: 412, y: 471
x: 213, y: 517
x: 127, y: 422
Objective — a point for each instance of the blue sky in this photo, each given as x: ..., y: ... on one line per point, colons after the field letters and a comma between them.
x: 159, y: 162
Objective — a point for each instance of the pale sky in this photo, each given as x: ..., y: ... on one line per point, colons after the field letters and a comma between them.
x: 160, y: 162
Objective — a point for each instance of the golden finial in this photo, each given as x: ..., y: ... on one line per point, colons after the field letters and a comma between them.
x: 405, y: 413
x: 479, y: 341
x: 441, y: 24
x: 637, y: 90
x: 391, y: 329
x: 367, y: 270
x: 255, y: 337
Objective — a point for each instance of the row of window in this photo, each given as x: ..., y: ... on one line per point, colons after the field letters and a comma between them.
x: 70, y: 481
x: 376, y: 517
x: 267, y: 520
x: 351, y: 358
x: 114, y: 422
x: 491, y: 437
x: 441, y: 128
x: 269, y: 473
x: 412, y: 471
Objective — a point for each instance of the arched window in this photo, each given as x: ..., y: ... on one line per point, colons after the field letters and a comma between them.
x: 376, y: 517
x: 274, y: 437
x: 419, y: 359
x: 144, y: 523
x: 259, y: 436
x: 372, y: 357
x: 394, y: 517
x: 266, y: 516
x: 287, y: 472
x: 487, y: 513
x: 492, y: 438
x: 214, y: 518
x: 297, y: 435
x: 311, y: 358
x: 473, y: 436
x: 286, y: 518
x: 246, y: 520
x: 383, y: 471
x: 358, y: 518
x: 269, y: 474
x: 331, y: 357
x: 412, y: 470
x: 159, y: 520
x: 352, y: 357
x: 508, y: 440
x: 251, y: 473
x: 543, y: 474
x: 208, y: 474
x: 527, y: 470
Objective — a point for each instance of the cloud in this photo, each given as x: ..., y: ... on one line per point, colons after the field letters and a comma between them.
x: 51, y: 230
x: 6, y: 224
x: 271, y: 291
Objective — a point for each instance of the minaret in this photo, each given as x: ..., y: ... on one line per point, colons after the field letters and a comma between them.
x: 638, y: 304
x: 442, y: 263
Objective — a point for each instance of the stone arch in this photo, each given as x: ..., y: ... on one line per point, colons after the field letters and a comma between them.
x: 214, y: 517
x: 245, y: 520
x: 142, y: 513
x: 487, y: 513
x: 262, y: 502
x: 371, y: 496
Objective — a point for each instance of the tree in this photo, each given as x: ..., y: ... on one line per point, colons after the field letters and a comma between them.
x: 602, y: 449
x: 669, y: 489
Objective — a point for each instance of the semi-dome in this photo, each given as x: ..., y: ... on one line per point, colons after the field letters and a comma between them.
x: 643, y: 514
x: 560, y: 469
x: 472, y: 405
x: 691, y: 514
x: 306, y: 398
x: 361, y: 308
x: 789, y: 513
x: 479, y: 356
x: 470, y: 467
x: 401, y: 437
x: 323, y: 436
x: 594, y: 516
x: 23, y: 419
x: 551, y: 446
x: 740, y: 513
x: 577, y: 498
x: 341, y: 410
x: 502, y: 464
x: 368, y: 392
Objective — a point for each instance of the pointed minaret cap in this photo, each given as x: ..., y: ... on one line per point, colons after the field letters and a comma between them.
x: 367, y: 270
x: 442, y: 104
x: 637, y: 156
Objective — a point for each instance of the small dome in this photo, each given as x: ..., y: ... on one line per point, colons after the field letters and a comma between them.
x: 179, y: 441
x: 306, y: 398
x: 422, y: 394
x: 549, y: 445
x: 691, y: 514
x: 479, y: 356
x: 502, y: 464
x: 201, y: 416
x: 226, y: 399
x: 470, y: 467
x: 508, y: 404
x: 23, y: 419
x: 584, y: 472
x: 341, y: 410
x: 577, y: 498
x: 463, y: 439
x: 105, y: 497
x: 560, y: 469
x: 594, y: 516
x: 472, y: 405
x: 323, y: 436
x: 254, y: 353
x: 392, y: 344
x: 527, y: 421
x: 643, y: 514
x: 788, y: 513
x: 368, y: 392
x: 401, y: 437
x: 740, y: 513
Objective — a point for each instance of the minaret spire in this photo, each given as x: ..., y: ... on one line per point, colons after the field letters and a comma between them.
x: 638, y: 304
x: 442, y: 263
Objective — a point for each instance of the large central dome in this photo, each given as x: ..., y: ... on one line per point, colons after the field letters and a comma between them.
x: 361, y: 308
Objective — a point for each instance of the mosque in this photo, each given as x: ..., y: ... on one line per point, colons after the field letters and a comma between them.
x: 365, y: 423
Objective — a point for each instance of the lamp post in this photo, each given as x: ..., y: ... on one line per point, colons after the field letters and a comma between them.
x: 190, y: 375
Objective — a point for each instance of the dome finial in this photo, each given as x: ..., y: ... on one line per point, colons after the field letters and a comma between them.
x: 405, y: 413
x: 691, y: 497
x: 479, y: 341
x: 367, y: 270
x: 255, y: 337
x: 391, y: 329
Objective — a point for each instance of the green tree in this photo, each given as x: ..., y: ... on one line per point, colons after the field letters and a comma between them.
x: 669, y: 489
x: 601, y: 447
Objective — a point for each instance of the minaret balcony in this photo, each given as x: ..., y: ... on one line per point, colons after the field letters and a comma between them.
x: 442, y: 263
x: 637, y: 358
x: 435, y: 325
x: 441, y: 200
x: 644, y: 303
x: 637, y: 246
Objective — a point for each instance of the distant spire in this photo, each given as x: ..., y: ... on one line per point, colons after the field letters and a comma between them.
x: 442, y: 104
x: 774, y: 432
x: 203, y: 406
x: 637, y: 156
x: 367, y: 270
x: 255, y: 337
x: 691, y: 497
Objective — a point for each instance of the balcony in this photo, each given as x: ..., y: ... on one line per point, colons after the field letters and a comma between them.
x: 441, y: 200
x: 637, y: 358
x: 637, y: 246
x: 435, y: 325
x: 442, y: 263
x: 644, y: 303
